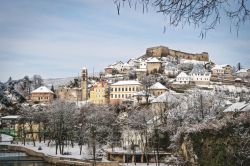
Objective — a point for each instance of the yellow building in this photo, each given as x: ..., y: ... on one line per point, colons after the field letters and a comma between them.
x: 99, y: 93
x: 123, y: 90
x: 42, y: 94
x: 11, y: 123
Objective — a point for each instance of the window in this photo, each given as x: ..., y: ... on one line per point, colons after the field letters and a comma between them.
x: 122, y: 89
x: 129, y: 89
x: 133, y: 89
x: 119, y: 89
x: 111, y: 95
x: 122, y: 96
x: 115, y: 96
x: 119, y: 96
x: 126, y: 89
x: 115, y: 89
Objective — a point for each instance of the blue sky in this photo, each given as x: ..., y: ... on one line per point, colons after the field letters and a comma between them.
x: 57, y: 38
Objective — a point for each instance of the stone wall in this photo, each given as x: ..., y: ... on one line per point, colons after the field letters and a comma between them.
x: 162, y: 51
x: 70, y: 94
x: 62, y: 161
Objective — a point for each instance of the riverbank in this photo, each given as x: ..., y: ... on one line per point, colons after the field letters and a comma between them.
x: 52, y: 159
x: 47, y: 153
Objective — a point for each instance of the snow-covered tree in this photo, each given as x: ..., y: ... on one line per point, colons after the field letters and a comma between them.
x: 62, y: 123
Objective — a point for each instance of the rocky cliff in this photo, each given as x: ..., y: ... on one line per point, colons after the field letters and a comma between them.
x: 227, y: 146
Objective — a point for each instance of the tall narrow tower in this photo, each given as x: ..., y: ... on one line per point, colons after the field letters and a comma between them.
x: 84, y: 75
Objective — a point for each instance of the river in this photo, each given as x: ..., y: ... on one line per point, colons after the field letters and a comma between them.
x: 20, y: 159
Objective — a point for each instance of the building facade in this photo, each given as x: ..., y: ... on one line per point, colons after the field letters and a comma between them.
x: 157, y: 89
x: 42, y: 94
x: 123, y: 90
x: 153, y: 65
x: 70, y: 94
x: 200, y: 76
x: 182, y: 78
x: 99, y: 93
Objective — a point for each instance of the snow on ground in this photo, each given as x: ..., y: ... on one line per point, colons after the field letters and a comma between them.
x: 5, y: 138
x: 51, y: 150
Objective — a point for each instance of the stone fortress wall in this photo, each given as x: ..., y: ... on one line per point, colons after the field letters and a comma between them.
x: 162, y: 51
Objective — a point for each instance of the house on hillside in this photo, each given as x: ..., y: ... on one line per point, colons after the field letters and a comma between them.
x: 242, y: 73
x: 182, y: 78
x: 220, y: 70
x: 199, y: 75
x: 161, y: 103
x: 237, y: 108
x: 157, y: 89
x: 154, y: 65
x: 42, y: 94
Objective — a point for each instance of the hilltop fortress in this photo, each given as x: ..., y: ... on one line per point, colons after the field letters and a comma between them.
x: 162, y: 51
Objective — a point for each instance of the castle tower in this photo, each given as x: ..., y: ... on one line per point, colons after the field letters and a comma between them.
x: 84, y: 75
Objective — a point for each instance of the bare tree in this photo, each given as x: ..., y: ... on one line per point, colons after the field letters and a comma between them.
x: 37, y: 81
x: 100, y: 126
x: 62, y: 122
x: 138, y: 120
x: 203, y: 14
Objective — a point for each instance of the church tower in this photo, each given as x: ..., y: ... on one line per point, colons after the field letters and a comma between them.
x: 84, y: 75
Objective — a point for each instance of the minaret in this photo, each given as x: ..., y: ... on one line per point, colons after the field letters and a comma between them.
x: 84, y: 75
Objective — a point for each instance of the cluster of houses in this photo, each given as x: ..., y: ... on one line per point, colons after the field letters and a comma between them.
x: 123, y: 82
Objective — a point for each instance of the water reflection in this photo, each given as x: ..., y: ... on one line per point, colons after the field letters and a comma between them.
x: 20, y: 159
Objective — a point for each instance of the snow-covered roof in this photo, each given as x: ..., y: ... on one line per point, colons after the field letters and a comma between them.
x: 182, y: 74
x: 198, y: 69
x: 193, y: 61
x: 126, y: 65
x: 153, y: 60
x: 238, y: 107
x: 42, y: 89
x: 170, y: 66
x: 127, y: 82
x: 118, y: 62
x: 10, y: 117
x: 168, y: 96
x: 109, y: 67
x: 242, y: 71
x: 157, y: 86
x: 219, y: 67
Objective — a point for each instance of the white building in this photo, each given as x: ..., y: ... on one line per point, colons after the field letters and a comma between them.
x: 218, y: 70
x: 199, y: 75
x: 242, y: 73
x: 123, y: 90
x: 118, y: 66
x: 183, y: 78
